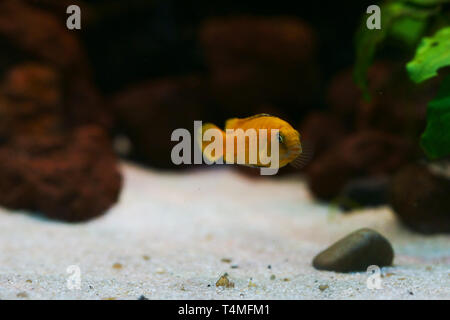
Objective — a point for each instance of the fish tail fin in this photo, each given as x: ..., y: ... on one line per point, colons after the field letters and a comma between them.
x: 212, y: 155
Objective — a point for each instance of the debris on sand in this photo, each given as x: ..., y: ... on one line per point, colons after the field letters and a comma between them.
x: 323, y: 287
x: 160, y: 270
x: 224, y: 282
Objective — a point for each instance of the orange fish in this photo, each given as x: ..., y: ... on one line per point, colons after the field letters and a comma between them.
x: 255, y: 149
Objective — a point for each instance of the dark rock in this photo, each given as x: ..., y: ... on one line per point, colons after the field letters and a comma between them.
x: 148, y: 114
x: 345, y: 98
x: 72, y: 178
x: 259, y: 61
x: 364, y: 192
x: 38, y: 99
x: 40, y: 34
x: 362, y: 154
x: 49, y: 164
x: 31, y: 102
x: 396, y: 105
x: 322, y: 131
x: 356, y: 252
x: 36, y: 35
x: 420, y: 196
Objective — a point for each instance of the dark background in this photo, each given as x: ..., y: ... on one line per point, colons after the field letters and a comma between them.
x: 135, y: 40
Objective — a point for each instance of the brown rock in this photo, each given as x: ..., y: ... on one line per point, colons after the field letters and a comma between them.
x: 150, y: 112
x: 419, y: 196
x: 397, y: 105
x: 39, y: 34
x: 73, y: 178
x: 367, y: 153
x: 37, y: 99
x: 31, y: 102
x: 257, y: 61
x: 321, y: 131
x: 49, y: 163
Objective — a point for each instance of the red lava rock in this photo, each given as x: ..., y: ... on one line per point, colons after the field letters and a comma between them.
x: 36, y: 35
x: 258, y: 61
x: 367, y: 153
x: 65, y: 172
x: 40, y: 34
x: 397, y: 105
x: 84, y: 105
x: 31, y: 102
x: 70, y: 178
x: 419, y: 196
x: 344, y: 97
x: 148, y: 114
x: 321, y: 131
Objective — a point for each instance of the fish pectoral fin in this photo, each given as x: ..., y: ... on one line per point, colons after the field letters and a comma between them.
x: 305, y: 157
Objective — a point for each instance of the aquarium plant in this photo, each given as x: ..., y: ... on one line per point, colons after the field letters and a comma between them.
x: 422, y: 27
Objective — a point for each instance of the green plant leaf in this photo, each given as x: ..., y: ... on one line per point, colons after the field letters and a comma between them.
x: 408, y: 30
x: 435, y: 141
x: 368, y: 40
x: 427, y: 2
x: 432, y: 54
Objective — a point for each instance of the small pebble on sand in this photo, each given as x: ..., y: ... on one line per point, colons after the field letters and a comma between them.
x: 160, y: 271
x: 117, y: 265
x: 323, y: 287
x: 224, y: 282
x: 22, y: 295
x: 226, y: 260
x: 146, y: 258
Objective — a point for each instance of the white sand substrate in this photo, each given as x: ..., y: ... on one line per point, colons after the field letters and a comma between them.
x: 171, y: 231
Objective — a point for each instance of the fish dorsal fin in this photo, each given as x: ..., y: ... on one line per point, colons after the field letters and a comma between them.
x: 233, y: 123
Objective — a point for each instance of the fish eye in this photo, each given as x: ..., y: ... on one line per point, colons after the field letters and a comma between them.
x: 280, y: 138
